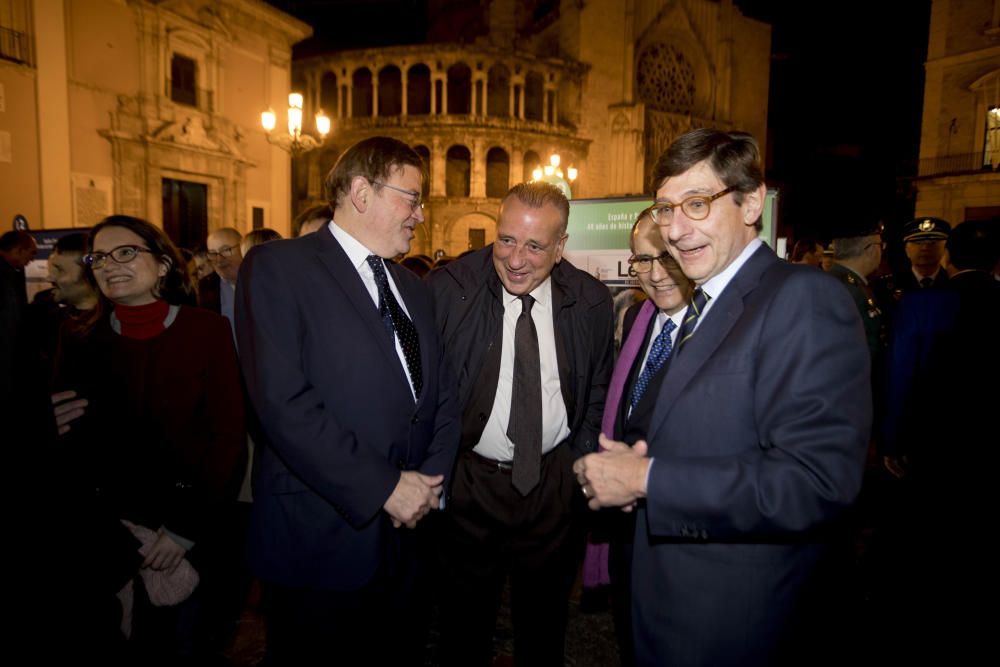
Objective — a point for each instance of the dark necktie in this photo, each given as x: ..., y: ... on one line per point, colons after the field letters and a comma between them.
x: 691, y: 317
x: 659, y: 352
x: 525, y: 426
x: 926, y: 282
x: 397, y: 323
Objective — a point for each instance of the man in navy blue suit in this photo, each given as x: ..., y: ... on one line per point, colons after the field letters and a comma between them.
x: 758, y: 438
x: 344, y: 367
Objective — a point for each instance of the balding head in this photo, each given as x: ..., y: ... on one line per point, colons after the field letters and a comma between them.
x: 224, y: 252
x: 17, y: 248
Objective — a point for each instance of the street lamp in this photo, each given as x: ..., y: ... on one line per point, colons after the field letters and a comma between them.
x: 553, y: 173
x: 295, y: 142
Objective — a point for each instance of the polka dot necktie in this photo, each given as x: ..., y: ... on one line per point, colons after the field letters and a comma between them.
x: 397, y: 323
x: 525, y: 425
x: 659, y: 352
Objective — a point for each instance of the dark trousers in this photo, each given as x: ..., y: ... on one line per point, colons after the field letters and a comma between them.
x: 489, y: 531
x: 383, y: 623
x: 620, y: 571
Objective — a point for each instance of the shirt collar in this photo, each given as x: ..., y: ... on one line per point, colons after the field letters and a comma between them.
x: 541, y: 294
x: 356, y: 251
x: 713, y: 286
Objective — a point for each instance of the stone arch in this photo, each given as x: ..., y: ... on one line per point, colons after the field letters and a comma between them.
x: 665, y: 56
x: 459, y: 89
x: 390, y: 91
x: 497, y: 172
x: 361, y: 93
x: 329, y: 95
x: 421, y: 243
x: 498, y: 91
x: 457, y: 236
x: 665, y: 78
x: 458, y: 170
x: 425, y: 154
x: 534, y: 96
x: 418, y: 90
x: 531, y: 160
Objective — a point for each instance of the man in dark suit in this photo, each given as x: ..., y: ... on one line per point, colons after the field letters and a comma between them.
x: 758, y: 438
x: 217, y: 291
x: 944, y: 362
x: 649, y: 334
x: 530, y: 338
x: 344, y: 368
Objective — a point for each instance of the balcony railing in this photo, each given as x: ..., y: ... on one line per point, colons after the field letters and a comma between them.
x: 16, y: 46
x: 198, y: 98
x: 949, y: 165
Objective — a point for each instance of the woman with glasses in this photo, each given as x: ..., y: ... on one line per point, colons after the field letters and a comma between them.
x: 150, y: 409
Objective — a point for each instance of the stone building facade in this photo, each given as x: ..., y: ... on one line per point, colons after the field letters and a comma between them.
x: 958, y: 177
x: 605, y: 84
x: 144, y: 108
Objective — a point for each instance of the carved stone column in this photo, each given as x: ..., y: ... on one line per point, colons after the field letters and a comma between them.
x: 478, y: 169
x: 438, y: 168
x: 404, y: 85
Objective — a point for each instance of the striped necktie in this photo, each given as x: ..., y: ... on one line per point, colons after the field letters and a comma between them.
x: 694, y: 311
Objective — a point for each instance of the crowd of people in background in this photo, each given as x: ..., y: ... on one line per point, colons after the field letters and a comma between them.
x: 785, y: 462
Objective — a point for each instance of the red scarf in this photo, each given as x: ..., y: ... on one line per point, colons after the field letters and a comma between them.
x: 142, y: 322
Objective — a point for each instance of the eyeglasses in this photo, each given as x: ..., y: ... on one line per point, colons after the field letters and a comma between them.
x: 123, y: 254
x: 880, y: 244
x: 415, y: 203
x: 695, y: 208
x: 224, y: 251
x: 644, y: 263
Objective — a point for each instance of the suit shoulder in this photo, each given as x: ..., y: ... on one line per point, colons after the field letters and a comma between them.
x: 464, y: 274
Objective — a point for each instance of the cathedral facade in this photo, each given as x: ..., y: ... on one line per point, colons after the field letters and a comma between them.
x: 606, y: 85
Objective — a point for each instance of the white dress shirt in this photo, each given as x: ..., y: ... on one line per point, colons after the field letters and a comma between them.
x: 658, y: 323
x: 358, y: 254
x: 494, y: 443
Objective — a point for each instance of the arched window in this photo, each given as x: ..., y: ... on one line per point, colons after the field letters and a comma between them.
x: 459, y: 89
x: 497, y: 173
x: 665, y: 79
x: 534, y: 96
x: 329, y: 95
x: 498, y: 92
x: 425, y: 155
x: 390, y: 91
x: 531, y: 160
x: 458, y: 169
x: 418, y: 90
x: 361, y: 95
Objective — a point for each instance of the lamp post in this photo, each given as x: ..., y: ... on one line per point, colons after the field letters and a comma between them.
x: 295, y: 142
x: 553, y: 173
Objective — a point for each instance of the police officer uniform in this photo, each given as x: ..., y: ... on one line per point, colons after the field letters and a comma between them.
x: 861, y: 291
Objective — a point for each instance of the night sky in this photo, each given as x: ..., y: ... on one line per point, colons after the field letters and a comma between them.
x: 846, y: 96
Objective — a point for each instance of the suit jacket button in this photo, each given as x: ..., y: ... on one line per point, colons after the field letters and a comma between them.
x: 414, y: 420
x: 401, y: 464
x: 482, y: 418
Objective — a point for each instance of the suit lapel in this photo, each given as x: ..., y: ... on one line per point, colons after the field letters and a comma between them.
x: 346, y: 277
x: 711, y: 331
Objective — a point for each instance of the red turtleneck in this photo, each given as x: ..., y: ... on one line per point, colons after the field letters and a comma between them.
x: 142, y: 322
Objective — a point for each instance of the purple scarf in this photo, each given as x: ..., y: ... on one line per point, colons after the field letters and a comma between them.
x: 630, y: 350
